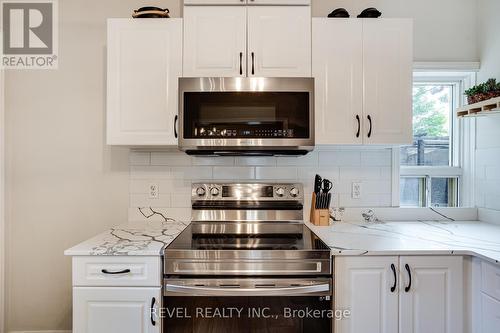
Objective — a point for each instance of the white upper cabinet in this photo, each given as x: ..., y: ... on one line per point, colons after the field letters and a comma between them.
x: 279, y: 41
x: 387, y: 65
x: 215, y: 2
x: 366, y: 286
x: 144, y: 64
x: 214, y: 41
x: 363, y: 68
x: 431, y: 295
x: 279, y: 2
x: 230, y: 41
x: 338, y: 72
x: 245, y: 2
x: 116, y: 310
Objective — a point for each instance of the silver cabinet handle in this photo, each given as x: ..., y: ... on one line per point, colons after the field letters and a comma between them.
x: 235, y: 291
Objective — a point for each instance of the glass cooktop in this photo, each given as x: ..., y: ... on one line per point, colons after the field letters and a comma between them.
x: 247, y: 236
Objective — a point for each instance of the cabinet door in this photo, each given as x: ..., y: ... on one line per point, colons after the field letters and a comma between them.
x: 214, y: 41
x: 144, y: 64
x: 116, y: 310
x: 337, y: 66
x: 279, y: 2
x: 490, y: 314
x: 434, y: 301
x: 279, y: 41
x: 215, y: 2
x: 363, y: 286
x: 387, y: 63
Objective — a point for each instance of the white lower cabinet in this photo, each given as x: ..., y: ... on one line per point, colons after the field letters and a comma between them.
x: 363, y: 286
x: 490, y: 314
x: 116, y: 310
x: 380, y: 297
x: 490, y: 298
x: 433, y: 303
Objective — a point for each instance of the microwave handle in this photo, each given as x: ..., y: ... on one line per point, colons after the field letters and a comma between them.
x: 175, y: 126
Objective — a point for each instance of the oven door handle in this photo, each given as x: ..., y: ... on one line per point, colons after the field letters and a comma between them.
x: 318, y: 289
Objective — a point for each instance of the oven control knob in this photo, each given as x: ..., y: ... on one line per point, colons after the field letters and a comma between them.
x: 294, y: 192
x: 214, y: 191
x: 200, y: 191
x: 280, y: 191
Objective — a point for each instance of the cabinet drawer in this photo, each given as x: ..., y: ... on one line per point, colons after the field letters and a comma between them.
x: 490, y: 280
x: 117, y: 271
x: 490, y: 314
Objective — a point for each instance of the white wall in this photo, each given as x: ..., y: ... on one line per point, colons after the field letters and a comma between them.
x: 174, y: 172
x: 487, y: 148
x: 63, y: 183
x: 489, y: 39
x: 2, y: 204
x: 445, y: 30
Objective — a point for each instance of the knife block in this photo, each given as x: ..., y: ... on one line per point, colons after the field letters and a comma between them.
x: 319, y: 217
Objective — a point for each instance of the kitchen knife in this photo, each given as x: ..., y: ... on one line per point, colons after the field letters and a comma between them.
x: 317, y: 184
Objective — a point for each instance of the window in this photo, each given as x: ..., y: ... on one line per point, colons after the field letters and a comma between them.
x: 432, y: 112
x: 427, y: 191
x: 430, y: 172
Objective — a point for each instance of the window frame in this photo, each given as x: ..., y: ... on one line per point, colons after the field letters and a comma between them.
x: 459, y: 81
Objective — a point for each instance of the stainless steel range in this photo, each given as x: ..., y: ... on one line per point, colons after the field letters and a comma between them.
x: 247, y: 248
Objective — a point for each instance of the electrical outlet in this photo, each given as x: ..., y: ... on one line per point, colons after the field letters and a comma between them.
x: 356, y: 190
x: 154, y: 191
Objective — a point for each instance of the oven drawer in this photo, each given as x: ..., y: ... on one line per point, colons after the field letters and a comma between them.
x: 247, y: 267
x: 117, y: 271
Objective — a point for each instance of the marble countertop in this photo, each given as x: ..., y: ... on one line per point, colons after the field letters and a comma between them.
x: 138, y: 239
x: 412, y: 238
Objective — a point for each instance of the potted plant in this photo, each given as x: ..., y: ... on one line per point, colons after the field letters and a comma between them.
x: 483, y: 91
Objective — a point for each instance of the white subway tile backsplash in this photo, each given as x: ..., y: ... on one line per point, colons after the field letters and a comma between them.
x: 139, y: 158
x: 340, y: 158
x: 255, y: 160
x: 174, y: 172
x: 143, y: 200
x: 306, y: 175
x: 149, y: 172
x: 211, y: 161
x: 181, y: 200
x: 492, y: 172
x: 377, y: 158
x: 276, y: 173
x: 170, y: 158
x: 492, y: 201
x: 360, y: 173
x: 233, y: 173
x: 191, y: 172
x: 310, y: 159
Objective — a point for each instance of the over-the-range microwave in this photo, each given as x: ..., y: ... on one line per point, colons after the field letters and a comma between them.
x: 246, y: 116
